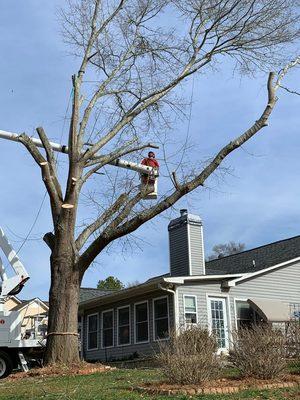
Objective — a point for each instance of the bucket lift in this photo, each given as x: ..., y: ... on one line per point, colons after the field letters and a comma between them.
x: 11, y: 286
x: 149, y: 181
x: 13, y: 345
x: 149, y: 186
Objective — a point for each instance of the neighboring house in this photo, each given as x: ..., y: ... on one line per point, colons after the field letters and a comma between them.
x: 34, y: 315
x: 262, y: 284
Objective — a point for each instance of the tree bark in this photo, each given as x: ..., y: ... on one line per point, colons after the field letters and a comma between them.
x: 62, y: 339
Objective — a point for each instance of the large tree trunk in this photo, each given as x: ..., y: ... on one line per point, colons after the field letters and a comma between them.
x: 62, y: 340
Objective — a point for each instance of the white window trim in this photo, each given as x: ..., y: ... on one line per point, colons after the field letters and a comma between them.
x: 125, y: 344
x: 134, y: 321
x: 87, y: 330
x: 195, y: 297
x: 235, y: 308
x: 113, y: 327
x: 168, y: 313
x: 228, y: 314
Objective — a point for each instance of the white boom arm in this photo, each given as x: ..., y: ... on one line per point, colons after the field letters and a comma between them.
x: 64, y: 149
x: 14, y: 285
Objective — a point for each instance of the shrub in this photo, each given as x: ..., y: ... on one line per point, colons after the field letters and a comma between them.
x: 189, y: 357
x: 293, y: 339
x: 259, y: 352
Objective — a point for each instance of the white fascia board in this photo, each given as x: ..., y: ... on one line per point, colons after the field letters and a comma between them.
x: 181, y: 279
x: 39, y: 302
x: 251, y: 275
x: 15, y: 298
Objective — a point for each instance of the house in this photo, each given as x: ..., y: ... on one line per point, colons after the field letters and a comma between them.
x: 34, y: 314
x: 222, y: 294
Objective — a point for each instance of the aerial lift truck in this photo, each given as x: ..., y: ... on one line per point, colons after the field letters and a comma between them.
x: 15, y: 347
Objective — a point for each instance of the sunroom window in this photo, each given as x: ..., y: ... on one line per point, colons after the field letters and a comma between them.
x: 141, y: 322
x: 123, y: 325
x: 107, y: 328
x: 161, y: 318
x: 92, y: 323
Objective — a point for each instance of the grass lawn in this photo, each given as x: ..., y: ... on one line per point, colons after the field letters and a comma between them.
x: 113, y: 385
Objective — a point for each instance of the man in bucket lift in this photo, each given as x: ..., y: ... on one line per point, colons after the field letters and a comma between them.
x: 150, y: 161
x: 148, y: 180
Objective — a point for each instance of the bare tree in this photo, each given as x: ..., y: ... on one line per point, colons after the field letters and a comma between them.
x: 226, y: 249
x: 135, y: 56
x: 132, y: 284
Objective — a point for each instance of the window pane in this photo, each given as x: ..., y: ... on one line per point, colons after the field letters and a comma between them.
x: 124, y: 335
x: 107, y: 319
x: 141, y: 322
x: 243, y: 310
x: 160, y: 308
x: 123, y: 316
x: 141, y: 312
x: 161, y: 328
x: 108, y: 338
x: 92, y: 323
x: 142, y: 332
x: 92, y: 340
x: 190, y: 304
x: 190, y: 318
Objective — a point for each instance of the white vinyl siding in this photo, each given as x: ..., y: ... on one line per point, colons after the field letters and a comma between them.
x: 92, y: 331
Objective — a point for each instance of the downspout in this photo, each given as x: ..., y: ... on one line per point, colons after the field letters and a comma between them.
x: 176, y: 305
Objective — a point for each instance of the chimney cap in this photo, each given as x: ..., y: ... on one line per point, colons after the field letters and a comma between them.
x: 185, y: 218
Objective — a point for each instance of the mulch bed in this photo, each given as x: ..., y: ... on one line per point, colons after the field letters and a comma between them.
x: 218, y: 386
x: 83, y: 368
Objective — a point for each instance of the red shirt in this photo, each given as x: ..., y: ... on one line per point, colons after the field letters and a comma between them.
x: 150, y: 162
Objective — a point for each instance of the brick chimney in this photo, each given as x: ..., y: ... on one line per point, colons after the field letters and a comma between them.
x: 186, y: 245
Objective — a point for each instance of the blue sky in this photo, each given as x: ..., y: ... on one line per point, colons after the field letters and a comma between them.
x: 256, y: 204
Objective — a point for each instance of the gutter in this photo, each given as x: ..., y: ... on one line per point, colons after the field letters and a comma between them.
x: 120, y: 294
x: 176, y: 303
x: 180, y: 280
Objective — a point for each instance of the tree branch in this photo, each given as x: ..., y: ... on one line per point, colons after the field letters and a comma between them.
x: 97, y: 245
x: 50, y: 159
x: 55, y: 199
x: 90, y: 229
x: 115, y: 231
x: 289, y: 90
x: 141, y: 105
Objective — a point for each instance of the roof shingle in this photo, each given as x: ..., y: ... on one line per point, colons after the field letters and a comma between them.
x: 92, y: 293
x: 256, y: 259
